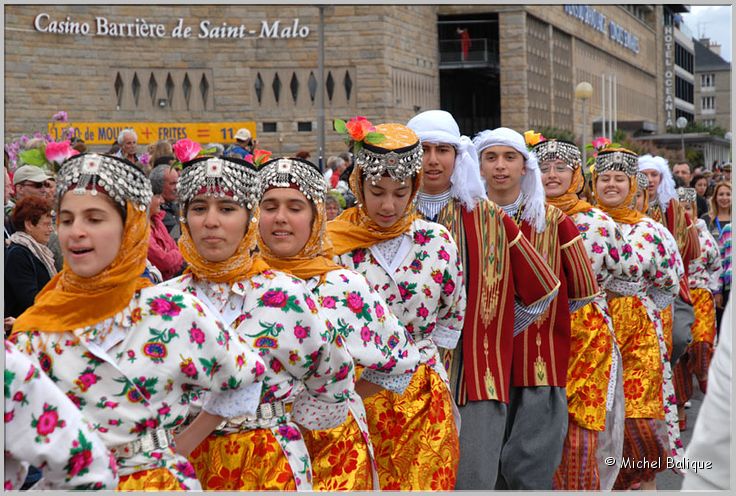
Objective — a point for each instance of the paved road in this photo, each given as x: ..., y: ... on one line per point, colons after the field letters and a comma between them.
x: 668, y: 479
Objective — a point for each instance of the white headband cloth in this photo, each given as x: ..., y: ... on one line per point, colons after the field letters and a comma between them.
x: 531, y: 183
x: 438, y: 126
x: 666, y: 190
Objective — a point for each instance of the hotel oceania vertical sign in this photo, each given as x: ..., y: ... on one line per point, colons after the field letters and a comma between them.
x: 669, y: 76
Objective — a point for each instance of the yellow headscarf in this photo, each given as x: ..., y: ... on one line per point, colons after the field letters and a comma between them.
x: 70, y: 302
x: 569, y: 202
x: 622, y: 213
x: 314, y: 259
x: 354, y: 228
x: 239, y: 266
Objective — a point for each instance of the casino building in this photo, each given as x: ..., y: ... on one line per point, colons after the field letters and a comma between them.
x: 490, y: 65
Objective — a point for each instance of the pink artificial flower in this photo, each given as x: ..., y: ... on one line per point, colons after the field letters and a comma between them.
x: 59, y: 152
x: 60, y: 116
x: 144, y: 159
x: 186, y: 149
x: 600, y: 142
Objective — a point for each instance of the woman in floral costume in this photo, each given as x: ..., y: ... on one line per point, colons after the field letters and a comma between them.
x: 44, y: 428
x: 274, y: 314
x: 292, y: 239
x: 594, y: 385
x: 414, y: 265
x: 124, y: 352
x: 705, y: 272
x: 650, y: 272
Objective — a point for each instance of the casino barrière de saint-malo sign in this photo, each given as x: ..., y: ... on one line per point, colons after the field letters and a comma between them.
x: 140, y: 28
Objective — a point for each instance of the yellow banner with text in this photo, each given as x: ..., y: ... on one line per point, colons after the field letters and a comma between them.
x: 105, y: 133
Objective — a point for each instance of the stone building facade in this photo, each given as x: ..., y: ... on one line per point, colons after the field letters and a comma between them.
x: 712, y: 86
x: 381, y: 61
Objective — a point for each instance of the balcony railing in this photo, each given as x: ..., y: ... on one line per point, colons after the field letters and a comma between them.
x: 479, y: 52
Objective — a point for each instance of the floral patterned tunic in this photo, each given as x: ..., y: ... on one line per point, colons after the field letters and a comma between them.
x: 705, y: 271
x: 374, y: 336
x: 594, y: 356
x: 653, y: 267
x: 423, y: 287
x: 43, y: 428
x: 138, y: 371
x: 276, y: 315
x: 419, y: 274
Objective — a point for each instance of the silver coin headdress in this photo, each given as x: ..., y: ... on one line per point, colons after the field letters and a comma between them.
x: 686, y: 194
x: 617, y: 159
x: 554, y: 149
x: 219, y: 177
x: 120, y: 179
x: 292, y: 172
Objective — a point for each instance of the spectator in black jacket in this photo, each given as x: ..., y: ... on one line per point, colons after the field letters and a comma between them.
x: 29, y: 263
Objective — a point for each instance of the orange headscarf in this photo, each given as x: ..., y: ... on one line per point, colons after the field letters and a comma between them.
x: 354, y: 228
x: 314, y: 259
x: 71, y: 302
x: 239, y: 266
x: 622, y: 213
x: 569, y: 202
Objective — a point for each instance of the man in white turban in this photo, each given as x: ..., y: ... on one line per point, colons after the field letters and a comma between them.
x: 536, y: 424
x: 504, y: 274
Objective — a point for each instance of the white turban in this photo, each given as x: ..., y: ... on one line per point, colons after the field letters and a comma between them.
x: 531, y: 183
x: 438, y: 126
x: 666, y: 190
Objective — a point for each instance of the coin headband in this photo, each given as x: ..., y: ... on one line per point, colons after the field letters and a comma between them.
x: 120, y: 179
x: 686, y: 194
x: 401, y: 164
x: 642, y: 181
x: 617, y: 160
x: 288, y: 172
x: 558, y: 150
x: 219, y: 177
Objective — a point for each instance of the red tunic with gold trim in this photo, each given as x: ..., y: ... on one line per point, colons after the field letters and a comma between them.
x: 506, y: 272
x: 541, y: 352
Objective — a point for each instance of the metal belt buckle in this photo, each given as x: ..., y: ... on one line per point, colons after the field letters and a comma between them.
x: 160, y: 438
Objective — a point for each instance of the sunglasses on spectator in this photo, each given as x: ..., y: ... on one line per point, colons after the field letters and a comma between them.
x: 45, y: 184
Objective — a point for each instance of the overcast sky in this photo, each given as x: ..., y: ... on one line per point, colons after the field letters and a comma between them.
x: 712, y: 22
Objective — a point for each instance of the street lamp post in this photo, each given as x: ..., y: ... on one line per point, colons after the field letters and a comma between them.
x: 681, y: 124
x: 584, y: 91
x: 321, y: 91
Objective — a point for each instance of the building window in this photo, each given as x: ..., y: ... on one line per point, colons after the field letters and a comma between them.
x: 708, y: 103
x: 304, y: 127
x: 683, y: 58
x: 709, y: 122
x: 269, y: 127
x: 682, y: 113
x: 707, y: 80
x: 684, y: 90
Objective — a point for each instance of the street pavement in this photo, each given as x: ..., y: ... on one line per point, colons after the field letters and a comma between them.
x: 668, y: 479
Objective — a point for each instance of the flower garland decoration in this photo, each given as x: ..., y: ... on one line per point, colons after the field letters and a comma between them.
x: 358, y: 131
